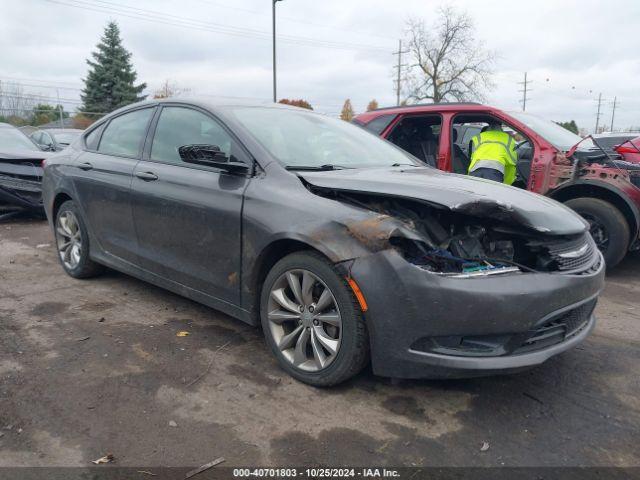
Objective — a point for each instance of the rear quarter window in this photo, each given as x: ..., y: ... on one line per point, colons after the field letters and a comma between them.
x: 92, y: 138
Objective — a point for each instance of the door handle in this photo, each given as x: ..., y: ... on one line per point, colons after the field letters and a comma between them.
x: 85, y: 166
x: 147, y: 176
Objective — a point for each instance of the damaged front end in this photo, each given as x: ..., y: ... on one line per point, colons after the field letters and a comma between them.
x: 473, y: 240
x: 21, y: 182
x: 458, y: 282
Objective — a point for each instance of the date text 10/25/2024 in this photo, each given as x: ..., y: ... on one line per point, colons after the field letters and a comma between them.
x: 315, y: 473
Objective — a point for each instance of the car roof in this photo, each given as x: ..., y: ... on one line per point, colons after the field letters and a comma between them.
x: 6, y: 125
x: 211, y: 103
x: 425, y: 108
x: 616, y: 134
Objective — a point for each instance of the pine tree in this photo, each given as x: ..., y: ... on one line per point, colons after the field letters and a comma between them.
x: 373, y: 105
x: 347, y: 112
x: 110, y: 83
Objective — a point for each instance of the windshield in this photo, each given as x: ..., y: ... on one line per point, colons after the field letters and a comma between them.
x: 66, y: 138
x: 558, y: 136
x: 12, y: 139
x: 304, y: 139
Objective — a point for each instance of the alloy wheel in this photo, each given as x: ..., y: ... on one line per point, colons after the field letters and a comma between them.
x: 598, y: 232
x: 68, y: 239
x: 304, y: 320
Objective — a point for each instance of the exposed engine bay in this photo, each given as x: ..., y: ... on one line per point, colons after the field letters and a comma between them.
x: 459, y: 245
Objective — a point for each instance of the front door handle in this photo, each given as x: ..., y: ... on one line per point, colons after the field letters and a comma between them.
x: 85, y: 166
x: 147, y: 176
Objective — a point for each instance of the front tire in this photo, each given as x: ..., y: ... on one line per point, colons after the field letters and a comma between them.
x: 72, y: 243
x: 312, y: 322
x: 608, y: 227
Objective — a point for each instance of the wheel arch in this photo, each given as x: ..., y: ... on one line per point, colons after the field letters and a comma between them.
x: 604, y: 192
x: 58, y: 200
x: 271, y: 254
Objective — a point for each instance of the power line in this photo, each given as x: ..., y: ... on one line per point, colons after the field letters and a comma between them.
x: 18, y: 79
x: 52, y: 87
x: 30, y: 96
x: 103, y: 6
x: 7, y: 109
x: 297, y: 20
x: 524, y: 91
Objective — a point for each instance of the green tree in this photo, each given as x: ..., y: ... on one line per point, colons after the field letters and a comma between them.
x: 571, y: 126
x: 373, y: 105
x: 110, y: 83
x: 45, y: 113
x: 347, y: 112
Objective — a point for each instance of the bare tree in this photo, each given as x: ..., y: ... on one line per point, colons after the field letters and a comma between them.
x: 447, y: 61
x: 169, y: 89
x: 14, y: 102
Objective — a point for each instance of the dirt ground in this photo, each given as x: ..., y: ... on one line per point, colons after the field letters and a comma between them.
x: 95, y: 366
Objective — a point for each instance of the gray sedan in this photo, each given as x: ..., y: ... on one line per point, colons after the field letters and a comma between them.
x: 347, y: 250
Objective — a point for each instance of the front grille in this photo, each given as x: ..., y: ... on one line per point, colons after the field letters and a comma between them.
x: 558, y: 329
x: 572, y: 255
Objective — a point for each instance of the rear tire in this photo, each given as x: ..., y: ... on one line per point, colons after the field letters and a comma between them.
x: 72, y: 243
x: 609, y: 228
x: 339, y: 325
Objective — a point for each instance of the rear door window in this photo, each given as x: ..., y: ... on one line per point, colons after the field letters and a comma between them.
x: 420, y: 136
x: 124, y: 134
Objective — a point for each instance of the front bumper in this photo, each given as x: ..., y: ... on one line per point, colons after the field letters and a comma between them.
x: 21, y: 185
x: 410, y: 310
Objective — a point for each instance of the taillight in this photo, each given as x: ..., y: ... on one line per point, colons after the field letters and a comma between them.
x: 624, y: 149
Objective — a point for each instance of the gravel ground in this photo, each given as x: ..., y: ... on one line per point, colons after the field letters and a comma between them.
x: 95, y: 366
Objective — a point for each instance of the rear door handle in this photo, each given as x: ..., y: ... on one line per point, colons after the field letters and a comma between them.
x: 147, y: 176
x: 85, y: 166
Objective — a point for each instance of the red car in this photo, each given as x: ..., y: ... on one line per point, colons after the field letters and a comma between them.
x: 552, y: 161
x: 629, y: 150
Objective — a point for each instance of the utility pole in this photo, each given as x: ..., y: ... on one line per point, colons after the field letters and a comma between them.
x: 273, y: 15
x: 399, y: 67
x: 524, y: 91
x: 598, y: 114
x: 613, y: 112
x: 59, y: 108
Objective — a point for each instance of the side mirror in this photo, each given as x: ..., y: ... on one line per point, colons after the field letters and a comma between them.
x: 210, y: 156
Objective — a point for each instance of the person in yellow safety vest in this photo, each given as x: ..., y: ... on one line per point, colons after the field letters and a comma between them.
x: 494, y: 155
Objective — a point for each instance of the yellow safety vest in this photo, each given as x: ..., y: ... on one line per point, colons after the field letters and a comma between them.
x: 497, y: 150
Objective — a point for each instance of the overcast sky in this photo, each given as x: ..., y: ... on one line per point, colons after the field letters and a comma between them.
x: 330, y: 50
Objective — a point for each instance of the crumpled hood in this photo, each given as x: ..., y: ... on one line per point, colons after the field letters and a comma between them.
x: 463, y: 194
